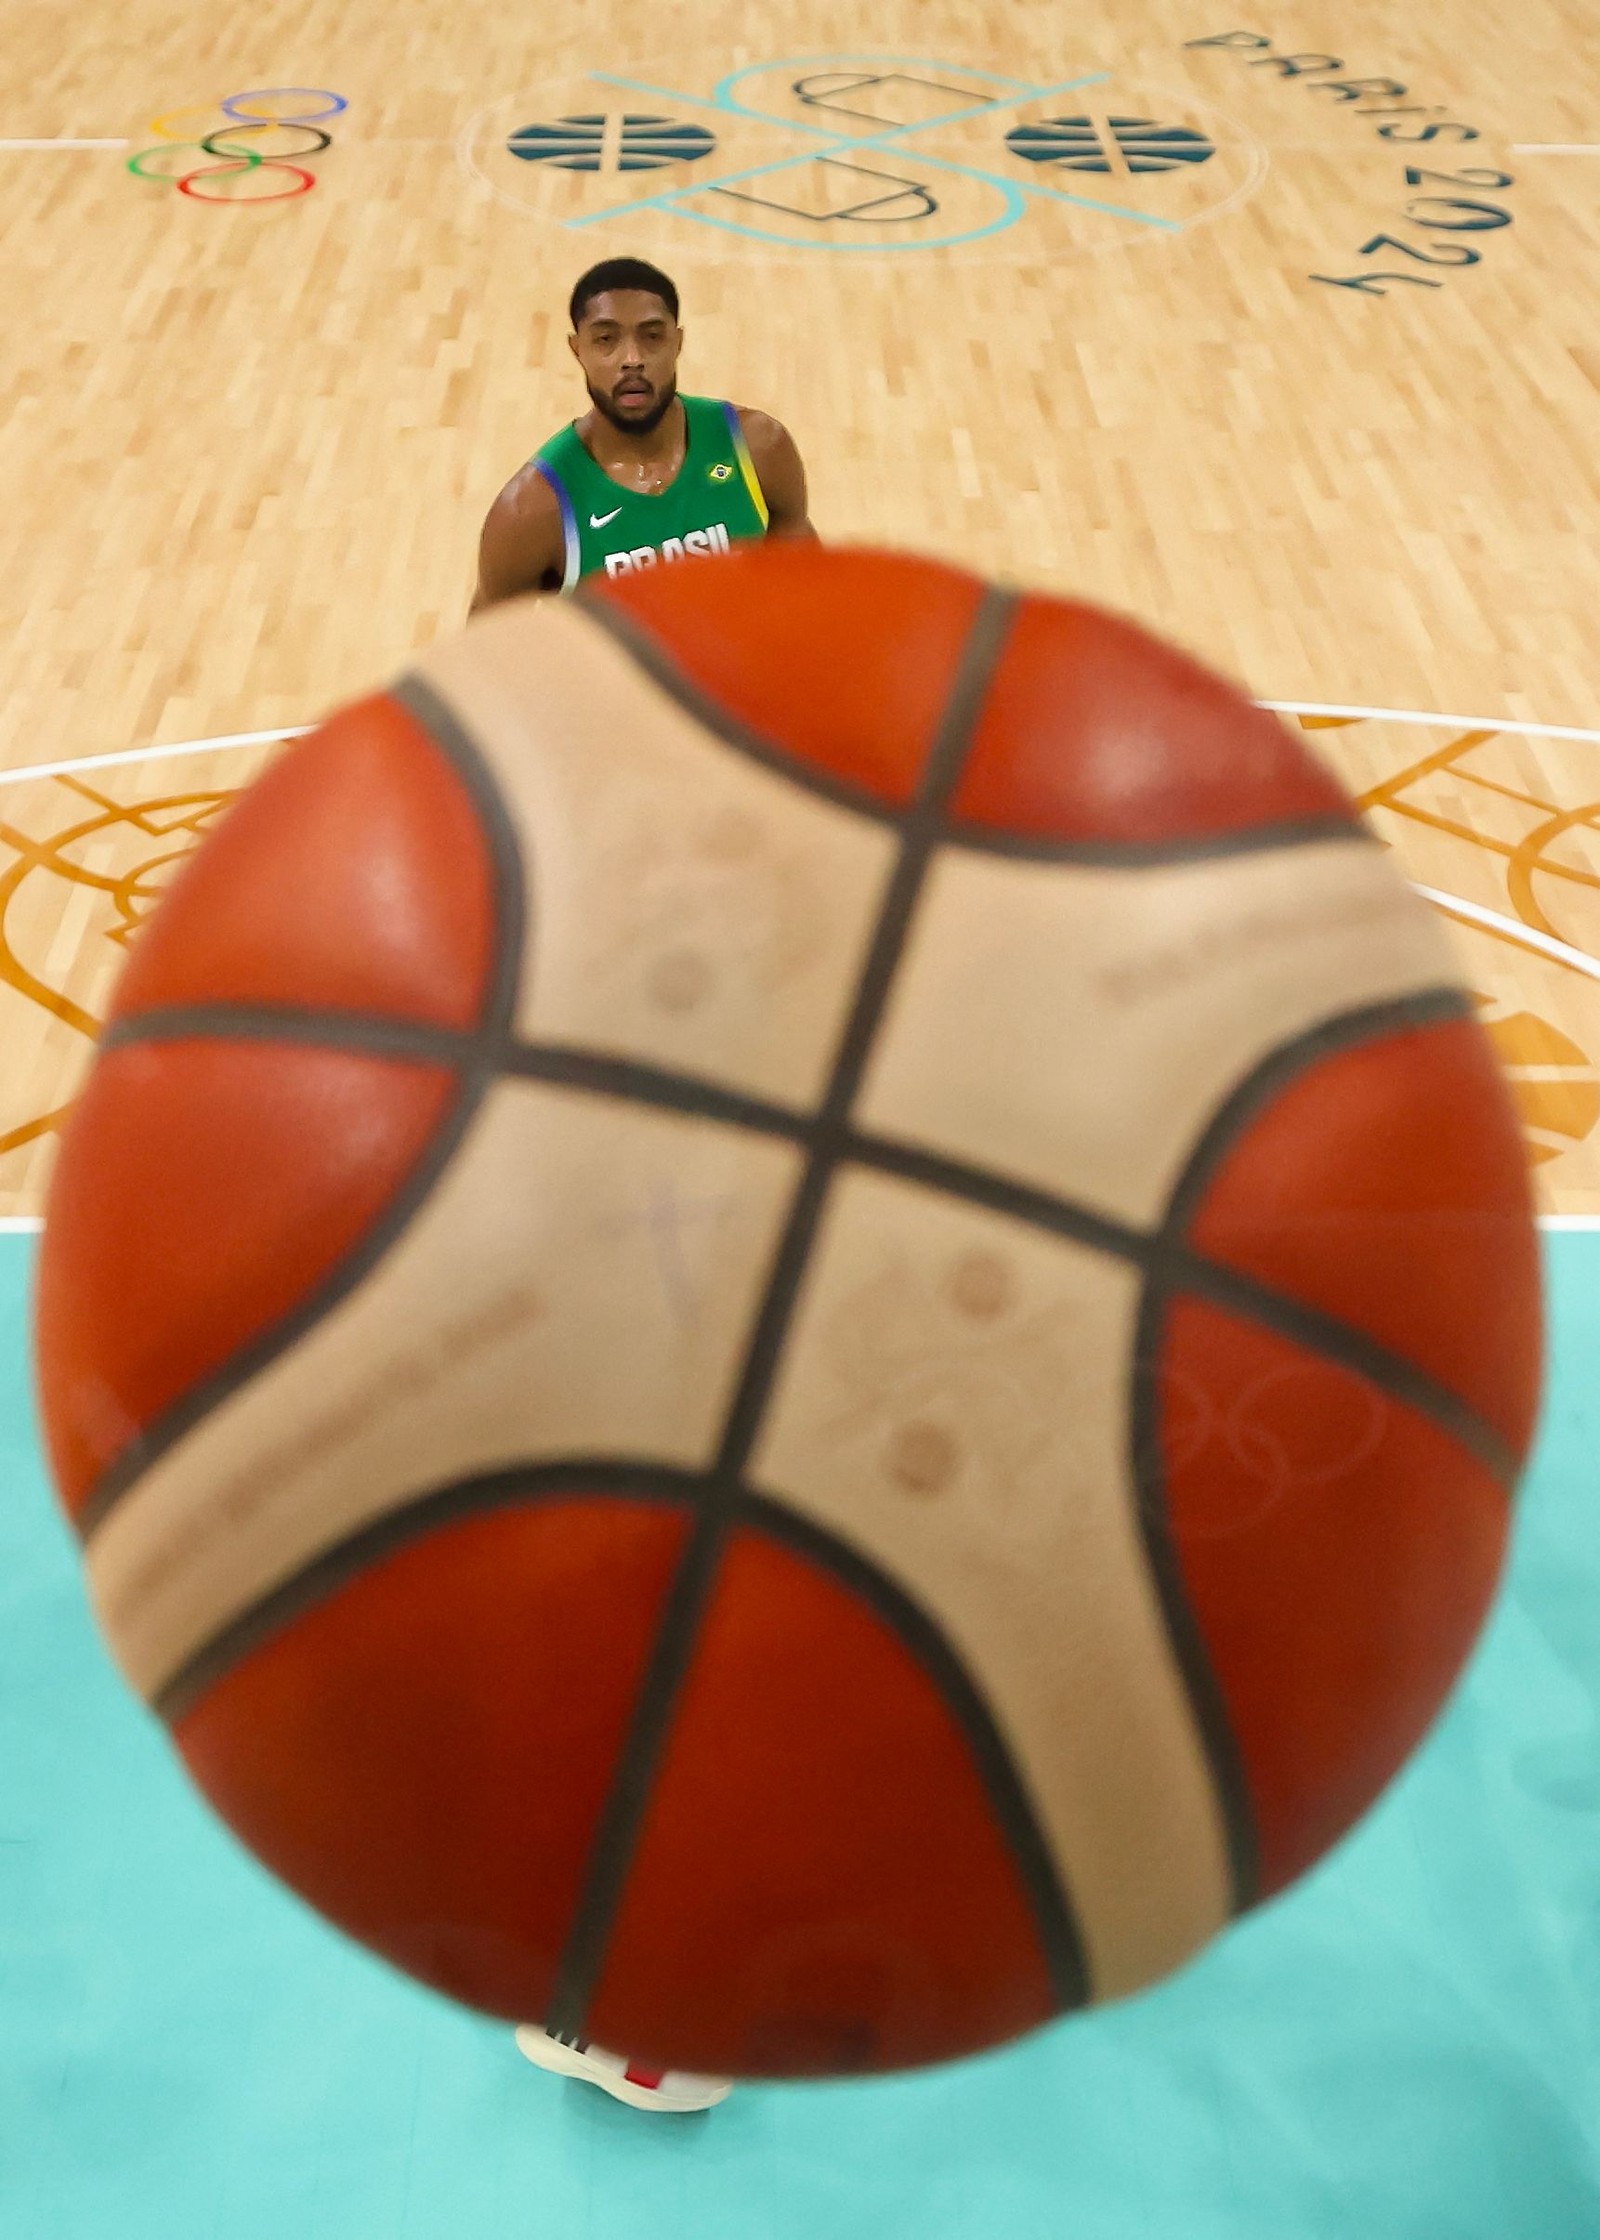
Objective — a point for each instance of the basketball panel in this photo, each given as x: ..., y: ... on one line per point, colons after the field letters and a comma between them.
x: 842, y: 659
x: 367, y: 822
x: 953, y: 1402
x: 424, y: 1753
x: 204, y: 1192
x: 579, y: 1281
x: 1387, y: 1185
x: 1105, y: 1014
x: 1095, y: 732
x: 821, y: 1884
x: 692, y: 908
x: 1339, y: 1553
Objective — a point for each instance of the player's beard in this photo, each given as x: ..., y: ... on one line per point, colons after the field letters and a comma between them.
x: 635, y: 424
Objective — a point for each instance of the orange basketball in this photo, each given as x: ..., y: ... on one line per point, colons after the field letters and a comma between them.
x: 792, y: 1314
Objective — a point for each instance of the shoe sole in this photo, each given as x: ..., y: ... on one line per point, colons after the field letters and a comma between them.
x: 566, y: 2061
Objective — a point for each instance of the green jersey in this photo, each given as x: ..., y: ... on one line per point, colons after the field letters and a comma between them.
x: 714, y: 497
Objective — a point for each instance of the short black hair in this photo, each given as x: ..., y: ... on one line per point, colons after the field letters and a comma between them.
x: 621, y: 272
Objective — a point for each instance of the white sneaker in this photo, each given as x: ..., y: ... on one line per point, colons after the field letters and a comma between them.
x: 665, y: 2091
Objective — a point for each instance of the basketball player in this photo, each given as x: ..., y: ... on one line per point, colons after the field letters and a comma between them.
x: 647, y: 477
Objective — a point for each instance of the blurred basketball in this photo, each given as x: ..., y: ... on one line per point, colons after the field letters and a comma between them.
x: 792, y: 1314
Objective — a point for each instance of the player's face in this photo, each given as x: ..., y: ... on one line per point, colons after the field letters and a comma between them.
x: 627, y: 344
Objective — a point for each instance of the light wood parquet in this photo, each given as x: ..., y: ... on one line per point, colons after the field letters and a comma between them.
x: 244, y: 453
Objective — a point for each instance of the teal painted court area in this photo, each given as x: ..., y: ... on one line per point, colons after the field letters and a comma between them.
x: 1408, y: 2048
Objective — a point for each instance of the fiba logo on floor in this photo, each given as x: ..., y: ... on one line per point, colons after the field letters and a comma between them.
x: 597, y: 142
x: 1135, y: 143
x: 856, y: 154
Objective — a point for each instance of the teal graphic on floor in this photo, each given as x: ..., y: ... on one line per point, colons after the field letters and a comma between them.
x: 1407, y: 2047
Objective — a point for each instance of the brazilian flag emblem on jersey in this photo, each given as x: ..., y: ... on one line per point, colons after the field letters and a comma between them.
x: 721, y: 471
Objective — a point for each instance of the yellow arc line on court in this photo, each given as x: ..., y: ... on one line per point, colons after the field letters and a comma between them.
x: 1471, y: 913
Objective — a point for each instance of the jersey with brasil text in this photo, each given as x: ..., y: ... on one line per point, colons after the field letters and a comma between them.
x: 714, y: 497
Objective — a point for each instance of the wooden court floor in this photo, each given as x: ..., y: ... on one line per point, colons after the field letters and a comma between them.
x: 1277, y: 326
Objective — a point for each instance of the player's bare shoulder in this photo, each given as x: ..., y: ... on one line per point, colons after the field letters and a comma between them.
x: 522, y: 547
x: 769, y: 440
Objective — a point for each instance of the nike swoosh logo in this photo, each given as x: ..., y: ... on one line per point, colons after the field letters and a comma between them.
x: 599, y: 520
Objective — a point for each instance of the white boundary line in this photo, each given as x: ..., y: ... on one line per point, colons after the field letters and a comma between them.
x: 150, y: 754
x: 1418, y: 715
x: 1545, y: 944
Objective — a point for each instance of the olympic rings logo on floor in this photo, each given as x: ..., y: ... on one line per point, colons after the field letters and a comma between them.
x: 248, y: 143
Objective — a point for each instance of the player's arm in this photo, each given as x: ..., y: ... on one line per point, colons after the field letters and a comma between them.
x: 523, y: 546
x: 780, y: 471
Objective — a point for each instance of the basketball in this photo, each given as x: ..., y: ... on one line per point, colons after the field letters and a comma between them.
x: 792, y: 1314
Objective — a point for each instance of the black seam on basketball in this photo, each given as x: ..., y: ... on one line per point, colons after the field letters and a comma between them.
x: 572, y: 1477
x: 363, y: 1034
x: 921, y: 1636
x: 997, y: 1193
x: 1345, y: 1030
x: 508, y: 889
x: 1179, y: 1268
x: 1148, y: 1477
x: 1171, y: 1274
x: 658, y: 665
x: 560, y: 1065
x: 119, y: 1478
x: 1254, y: 1301
x: 1350, y: 1348
x: 597, y: 1074
x: 1137, y: 855
x: 510, y: 874
x: 617, y: 1833
x: 828, y: 1138
x: 1184, y: 1269
x: 1173, y: 1269
x: 615, y: 1839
